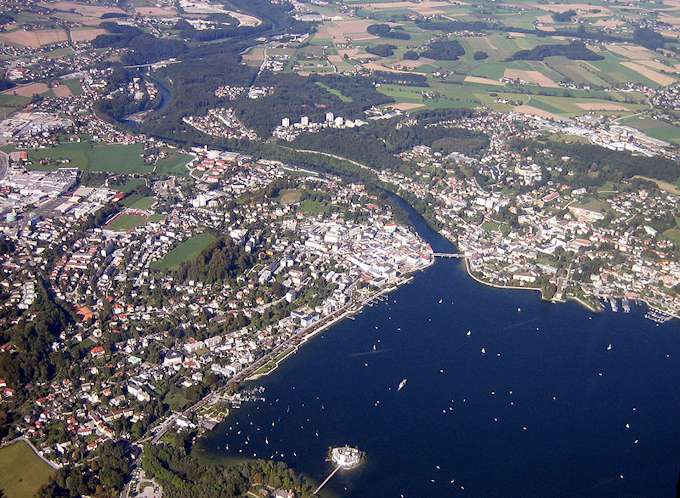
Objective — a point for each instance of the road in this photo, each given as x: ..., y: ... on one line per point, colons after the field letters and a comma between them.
x: 4, y: 164
x: 53, y: 465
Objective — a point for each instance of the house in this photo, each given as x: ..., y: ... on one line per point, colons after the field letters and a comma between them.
x: 97, y: 351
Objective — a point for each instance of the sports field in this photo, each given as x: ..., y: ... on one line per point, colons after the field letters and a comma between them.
x: 111, y: 158
x: 185, y: 251
x: 126, y: 222
x: 22, y: 472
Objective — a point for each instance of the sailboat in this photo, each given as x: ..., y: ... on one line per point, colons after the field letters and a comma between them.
x: 401, y: 385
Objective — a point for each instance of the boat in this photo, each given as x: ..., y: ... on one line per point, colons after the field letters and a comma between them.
x: 401, y: 385
x: 440, y: 301
x: 609, y: 348
x: 483, y: 350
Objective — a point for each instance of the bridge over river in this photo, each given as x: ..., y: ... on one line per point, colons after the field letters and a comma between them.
x: 447, y: 255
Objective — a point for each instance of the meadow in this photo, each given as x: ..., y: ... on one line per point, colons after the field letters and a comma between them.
x: 86, y: 156
x: 185, y: 251
x: 22, y: 472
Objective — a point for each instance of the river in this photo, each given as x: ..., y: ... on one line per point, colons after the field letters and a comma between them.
x: 548, y: 410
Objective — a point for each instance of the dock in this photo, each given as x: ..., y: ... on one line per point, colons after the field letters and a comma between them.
x: 330, y: 476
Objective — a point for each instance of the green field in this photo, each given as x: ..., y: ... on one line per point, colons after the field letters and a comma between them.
x: 11, y: 103
x: 335, y: 92
x: 129, y: 185
x: 185, y: 251
x: 22, y: 472
x: 126, y: 222
x: 289, y: 196
x: 655, y: 128
x: 137, y: 202
x: 112, y: 158
x: 174, y: 164
x: 74, y: 85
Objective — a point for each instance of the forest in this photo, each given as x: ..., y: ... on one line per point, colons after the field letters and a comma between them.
x: 591, y: 165
x: 444, y: 50
x: 295, y: 96
x: 384, y: 50
x: 145, y: 48
x: 376, y: 145
x: 387, y: 31
x: 576, y: 50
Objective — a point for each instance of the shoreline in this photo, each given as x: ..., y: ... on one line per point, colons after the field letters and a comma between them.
x: 351, y: 310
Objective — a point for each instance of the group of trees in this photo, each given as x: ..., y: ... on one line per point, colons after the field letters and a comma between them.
x: 644, y: 36
x: 6, y: 245
x: 648, y: 38
x: 182, y: 475
x: 387, y: 31
x: 33, y: 360
x: 377, y: 144
x: 383, y: 50
x: 295, y: 96
x: 222, y: 261
x: 594, y: 165
x: 565, y: 16
x: 103, y: 475
x: 5, y: 84
x: 444, y: 50
x: 144, y: 47
x: 576, y: 50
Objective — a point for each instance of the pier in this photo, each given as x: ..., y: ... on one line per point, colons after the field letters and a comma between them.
x: 447, y: 255
x: 330, y: 476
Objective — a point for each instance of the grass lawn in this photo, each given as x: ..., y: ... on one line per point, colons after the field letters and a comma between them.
x: 185, y: 251
x: 289, y: 196
x: 335, y: 92
x: 73, y: 85
x: 22, y: 472
x: 494, y: 226
x: 174, y: 164
x: 674, y: 235
x: 136, y: 202
x: 10, y: 103
x: 126, y: 222
x: 655, y: 128
x: 129, y: 186
x: 113, y: 158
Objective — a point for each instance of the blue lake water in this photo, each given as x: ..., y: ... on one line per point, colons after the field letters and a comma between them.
x: 546, y: 411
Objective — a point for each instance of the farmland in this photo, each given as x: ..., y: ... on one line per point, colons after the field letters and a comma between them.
x: 487, y: 73
x: 22, y: 472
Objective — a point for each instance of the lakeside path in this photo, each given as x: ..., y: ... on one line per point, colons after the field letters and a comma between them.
x: 159, y: 430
